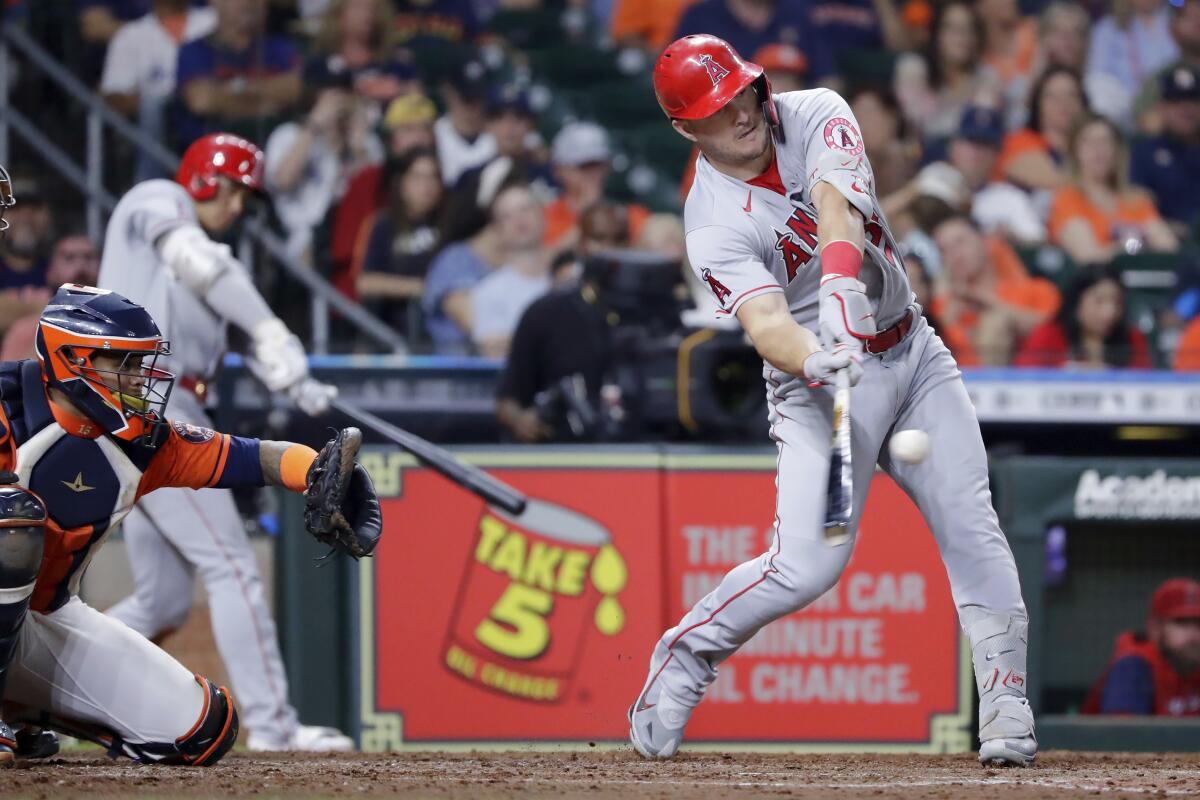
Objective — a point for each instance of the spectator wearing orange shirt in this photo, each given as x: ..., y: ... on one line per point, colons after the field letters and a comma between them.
x: 1090, y: 329
x: 648, y: 24
x: 581, y: 159
x: 1187, y: 356
x: 1100, y: 214
x: 1010, y: 40
x: 1032, y: 157
x: 990, y: 302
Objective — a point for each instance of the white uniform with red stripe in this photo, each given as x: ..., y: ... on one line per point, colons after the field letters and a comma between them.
x: 174, y: 534
x: 748, y: 240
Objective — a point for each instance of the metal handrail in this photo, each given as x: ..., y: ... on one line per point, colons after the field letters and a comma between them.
x: 324, y: 296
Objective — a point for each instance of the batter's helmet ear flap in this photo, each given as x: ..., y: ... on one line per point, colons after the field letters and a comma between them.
x: 762, y: 86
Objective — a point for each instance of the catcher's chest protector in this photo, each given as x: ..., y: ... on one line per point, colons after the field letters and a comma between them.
x: 88, y: 484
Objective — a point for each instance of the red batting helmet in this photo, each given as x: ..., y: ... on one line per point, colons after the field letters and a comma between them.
x: 697, y: 75
x: 215, y: 155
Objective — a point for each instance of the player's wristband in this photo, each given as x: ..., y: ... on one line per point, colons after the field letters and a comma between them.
x: 293, y: 466
x: 841, y: 258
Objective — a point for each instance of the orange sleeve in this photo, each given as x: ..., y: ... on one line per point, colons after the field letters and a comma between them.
x: 196, y: 458
x: 1006, y: 264
x: 1139, y: 209
x: 560, y: 219
x: 1069, y: 203
x: 1035, y: 294
x: 1015, y: 144
x: 652, y: 20
x: 1187, y: 357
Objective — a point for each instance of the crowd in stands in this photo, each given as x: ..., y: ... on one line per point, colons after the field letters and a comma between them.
x: 446, y: 162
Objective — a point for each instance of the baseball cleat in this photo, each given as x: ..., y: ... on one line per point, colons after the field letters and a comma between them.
x: 8, y: 745
x: 306, y: 738
x: 34, y: 742
x: 656, y: 722
x: 1006, y: 734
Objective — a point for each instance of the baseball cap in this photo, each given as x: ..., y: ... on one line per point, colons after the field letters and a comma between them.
x: 943, y: 181
x: 781, y: 58
x: 508, y: 97
x: 1181, y: 82
x: 409, y: 109
x: 328, y: 73
x: 470, y: 80
x: 981, y: 124
x: 1177, y: 598
x: 580, y: 143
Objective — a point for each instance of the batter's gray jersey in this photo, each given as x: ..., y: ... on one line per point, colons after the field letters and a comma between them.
x: 746, y: 240
x: 131, y: 265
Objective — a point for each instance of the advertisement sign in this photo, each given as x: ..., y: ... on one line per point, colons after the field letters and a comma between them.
x: 478, y: 626
x: 488, y: 627
x: 874, y: 660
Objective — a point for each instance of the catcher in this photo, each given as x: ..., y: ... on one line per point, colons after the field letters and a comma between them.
x: 82, y: 437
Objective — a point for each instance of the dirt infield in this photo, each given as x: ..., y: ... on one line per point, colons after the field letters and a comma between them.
x: 613, y: 774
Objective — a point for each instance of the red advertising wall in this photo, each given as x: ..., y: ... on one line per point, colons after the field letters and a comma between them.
x: 485, y: 628
x: 871, y: 661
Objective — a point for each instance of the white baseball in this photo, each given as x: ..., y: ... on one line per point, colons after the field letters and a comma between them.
x: 910, y: 446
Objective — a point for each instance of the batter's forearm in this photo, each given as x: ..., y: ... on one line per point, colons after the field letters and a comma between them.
x: 837, y: 220
x: 285, y: 464
x: 786, y: 345
x: 234, y: 297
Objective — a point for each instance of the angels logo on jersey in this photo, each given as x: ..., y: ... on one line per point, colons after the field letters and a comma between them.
x: 840, y: 134
x: 719, y: 289
x: 715, y: 71
x: 798, y: 243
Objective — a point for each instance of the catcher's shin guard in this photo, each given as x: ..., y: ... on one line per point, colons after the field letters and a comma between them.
x: 22, y: 536
x: 999, y: 643
x: 209, y: 739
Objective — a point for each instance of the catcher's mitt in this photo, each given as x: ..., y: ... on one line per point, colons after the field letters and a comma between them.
x: 341, y: 508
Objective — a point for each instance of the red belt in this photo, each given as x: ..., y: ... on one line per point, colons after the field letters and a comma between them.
x: 886, y: 340
x: 197, y: 386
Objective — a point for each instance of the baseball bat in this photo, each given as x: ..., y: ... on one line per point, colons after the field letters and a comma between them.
x: 839, y: 504
x: 491, y: 489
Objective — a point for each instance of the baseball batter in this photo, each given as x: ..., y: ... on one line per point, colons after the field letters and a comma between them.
x: 783, y: 226
x: 158, y: 252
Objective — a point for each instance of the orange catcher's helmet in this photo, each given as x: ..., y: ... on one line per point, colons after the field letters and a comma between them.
x: 218, y: 155
x: 127, y: 400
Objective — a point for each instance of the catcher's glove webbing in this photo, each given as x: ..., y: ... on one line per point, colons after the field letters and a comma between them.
x: 341, y: 508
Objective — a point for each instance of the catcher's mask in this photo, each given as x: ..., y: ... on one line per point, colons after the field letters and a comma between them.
x: 125, y: 394
x: 7, y: 200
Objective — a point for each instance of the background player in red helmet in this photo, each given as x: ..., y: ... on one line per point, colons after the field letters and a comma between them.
x: 159, y: 251
x: 782, y: 224
x: 83, y: 436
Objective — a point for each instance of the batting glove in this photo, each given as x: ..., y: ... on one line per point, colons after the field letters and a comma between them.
x: 311, y: 396
x: 845, y: 313
x: 823, y: 366
x: 276, y: 355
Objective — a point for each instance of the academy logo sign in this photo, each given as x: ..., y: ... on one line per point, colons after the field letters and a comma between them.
x: 1154, y: 496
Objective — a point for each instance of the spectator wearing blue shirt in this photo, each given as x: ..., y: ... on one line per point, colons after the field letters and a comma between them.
x: 1169, y: 164
x: 1133, y: 42
x: 750, y: 25
x: 447, y: 299
x: 237, y: 77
